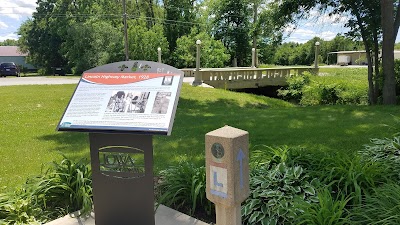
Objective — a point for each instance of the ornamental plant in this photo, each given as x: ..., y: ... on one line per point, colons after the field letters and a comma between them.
x: 277, y: 193
x: 64, y: 188
x: 183, y: 187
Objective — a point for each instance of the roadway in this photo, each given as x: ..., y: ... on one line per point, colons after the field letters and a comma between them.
x: 10, y: 81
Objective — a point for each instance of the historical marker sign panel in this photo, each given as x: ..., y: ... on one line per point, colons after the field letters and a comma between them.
x: 131, y: 96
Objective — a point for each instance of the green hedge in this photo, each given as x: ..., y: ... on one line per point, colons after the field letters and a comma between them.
x: 336, y: 87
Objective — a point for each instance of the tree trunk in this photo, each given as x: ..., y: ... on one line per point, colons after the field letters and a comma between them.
x: 367, y: 44
x: 397, y: 20
x: 371, y: 85
x: 377, y: 77
x: 389, y: 83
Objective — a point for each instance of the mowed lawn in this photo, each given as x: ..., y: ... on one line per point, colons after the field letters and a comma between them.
x: 29, y: 116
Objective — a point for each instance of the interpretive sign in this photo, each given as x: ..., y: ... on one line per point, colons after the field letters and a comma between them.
x: 122, y: 105
x: 131, y: 96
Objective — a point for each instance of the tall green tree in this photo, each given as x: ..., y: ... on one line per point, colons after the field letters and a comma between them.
x: 365, y: 23
x: 9, y: 42
x: 232, y: 27
x: 179, y: 19
x: 40, y: 37
x: 265, y: 38
x: 143, y: 41
x: 213, y: 52
x: 77, y: 34
x: 92, y: 44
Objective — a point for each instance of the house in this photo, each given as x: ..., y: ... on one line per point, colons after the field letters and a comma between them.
x: 12, y: 54
x: 355, y: 57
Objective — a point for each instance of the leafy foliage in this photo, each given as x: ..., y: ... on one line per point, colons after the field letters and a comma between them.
x: 143, y: 42
x: 385, y: 151
x: 63, y: 188
x: 94, y: 43
x: 232, y: 27
x: 8, y: 42
x: 181, y: 11
x: 328, y: 211
x: 20, y: 210
x: 276, y: 193
x: 350, y: 175
x: 213, y: 53
x: 183, y: 186
x: 381, y: 207
x: 294, y: 90
x: 331, y: 88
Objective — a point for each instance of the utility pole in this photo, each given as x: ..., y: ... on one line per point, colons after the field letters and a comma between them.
x: 125, y: 31
x: 255, y: 14
x: 316, y: 54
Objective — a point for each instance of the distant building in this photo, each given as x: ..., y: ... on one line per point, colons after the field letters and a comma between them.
x: 12, y: 54
x: 355, y: 57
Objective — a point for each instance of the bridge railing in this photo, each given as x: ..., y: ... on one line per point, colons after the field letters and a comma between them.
x: 236, y: 78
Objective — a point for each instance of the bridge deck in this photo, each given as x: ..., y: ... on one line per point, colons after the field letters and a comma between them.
x: 239, y: 78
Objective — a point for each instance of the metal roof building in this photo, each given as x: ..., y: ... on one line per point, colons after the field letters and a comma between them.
x: 356, y: 57
x: 12, y: 54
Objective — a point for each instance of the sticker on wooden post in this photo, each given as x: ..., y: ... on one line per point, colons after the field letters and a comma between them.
x: 227, y: 171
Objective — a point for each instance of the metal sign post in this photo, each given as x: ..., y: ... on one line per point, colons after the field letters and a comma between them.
x: 121, y: 105
x: 227, y: 172
x: 122, y: 173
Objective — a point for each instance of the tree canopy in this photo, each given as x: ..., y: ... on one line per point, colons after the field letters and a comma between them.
x: 367, y: 23
x: 81, y: 34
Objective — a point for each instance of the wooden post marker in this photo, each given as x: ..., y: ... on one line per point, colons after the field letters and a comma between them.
x: 227, y: 171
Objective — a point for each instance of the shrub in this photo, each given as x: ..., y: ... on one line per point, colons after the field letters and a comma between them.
x: 350, y: 175
x: 20, y: 208
x: 335, y: 87
x: 68, y: 186
x: 382, y: 207
x: 184, y: 187
x: 276, y: 194
x: 268, y: 156
x: 294, y: 91
x: 63, y: 188
x: 328, y: 211
x: 384, y: 151
x: 327, y: 92
x: 42, y: 72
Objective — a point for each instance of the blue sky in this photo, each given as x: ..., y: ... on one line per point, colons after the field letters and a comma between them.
x: 15, y: 12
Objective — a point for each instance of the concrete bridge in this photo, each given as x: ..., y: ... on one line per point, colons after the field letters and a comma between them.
x: 245, y: 77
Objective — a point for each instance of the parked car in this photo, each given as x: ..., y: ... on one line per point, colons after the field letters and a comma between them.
x: 59, y: 71
x: 9, y: 68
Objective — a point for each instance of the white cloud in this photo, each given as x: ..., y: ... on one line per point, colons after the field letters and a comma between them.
x: 319, y: 24
x: 304, y: 35
x: 3, y: 25
x: 17, y: 9
x: 8, y: 36
x: 328, y: 35
x: 298, y: 35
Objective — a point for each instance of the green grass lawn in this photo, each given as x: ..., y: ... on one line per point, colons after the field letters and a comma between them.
x: 29, y: 115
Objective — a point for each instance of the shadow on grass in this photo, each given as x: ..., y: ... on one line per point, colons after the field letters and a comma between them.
x: 74, y: 145
x: 330, y: 128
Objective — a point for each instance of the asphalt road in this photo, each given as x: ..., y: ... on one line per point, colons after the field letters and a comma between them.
x: 37, y: 80
x: 50, y: 80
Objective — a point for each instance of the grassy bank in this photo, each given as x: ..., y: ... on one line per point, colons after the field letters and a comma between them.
x: 29, y: 115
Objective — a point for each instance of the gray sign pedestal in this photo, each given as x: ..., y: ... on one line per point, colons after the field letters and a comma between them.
x: 125, y: 196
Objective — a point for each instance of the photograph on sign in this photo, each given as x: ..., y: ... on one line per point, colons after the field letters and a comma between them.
x: 121, y: 101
